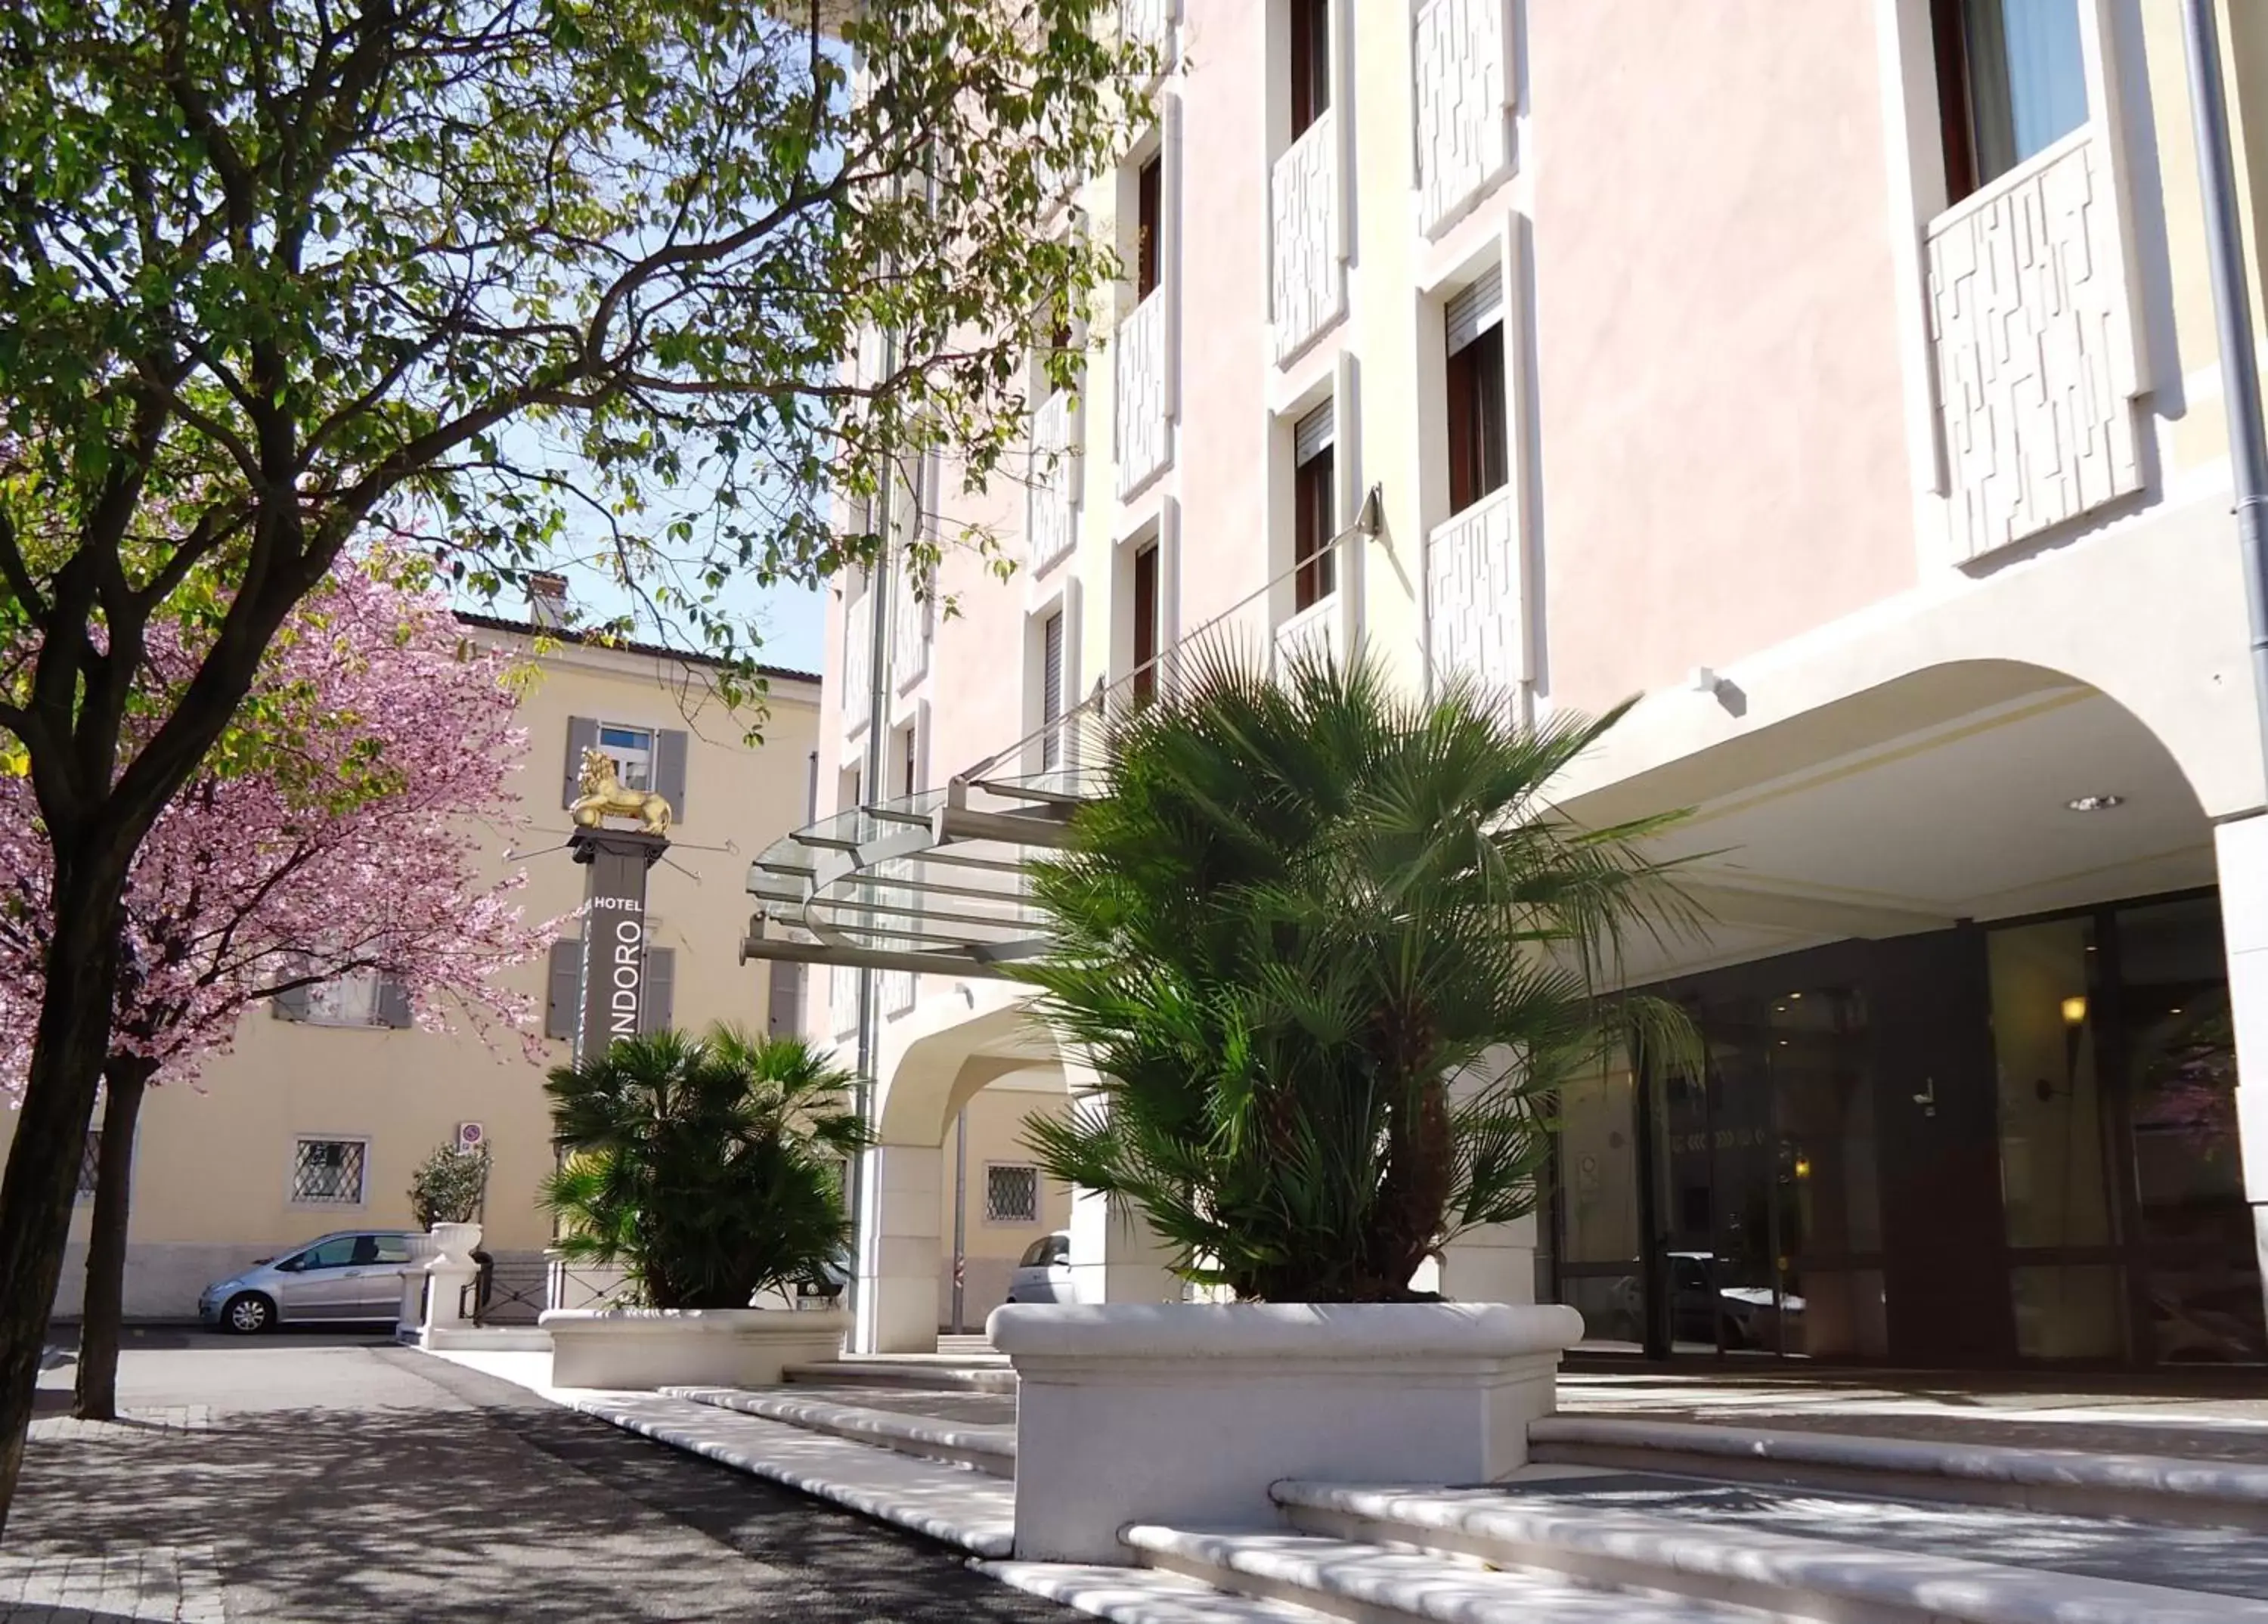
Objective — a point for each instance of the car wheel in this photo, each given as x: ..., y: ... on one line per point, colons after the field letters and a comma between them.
x: 1735, y: 1340
x: 247, y: 1313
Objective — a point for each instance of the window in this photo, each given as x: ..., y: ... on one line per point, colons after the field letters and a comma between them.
x: 908, y: 763
x: 1312, y: 511
x: 338, y: 1252
x: 1052, y: 691
x: 89, y: 1160
x: 1311, y: 63
x: 1475, y: 330
x: 1149, y: 215
x: 1011, y: 1194
x: 2011, y: 82
x: 1046, y: 1252
x: 631, y: 750
x: 366, y: 998
x: 1145, y: 622
x: 327, y: 1172
x: 644, y: 757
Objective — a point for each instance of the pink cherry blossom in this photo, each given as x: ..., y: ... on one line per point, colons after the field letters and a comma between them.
x: 340, y: 833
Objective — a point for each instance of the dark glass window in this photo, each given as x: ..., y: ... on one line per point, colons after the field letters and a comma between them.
x: 1477, y: 427
x: 2011, y: 82
x: 1149, y: 214
x: 1145, y: 622
x: 1312, y: 522
x: 1311, y: 63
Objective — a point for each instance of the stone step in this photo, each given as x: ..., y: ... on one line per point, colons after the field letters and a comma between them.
x: 2214, y: 1494
x: 1886, y: 1572
x: 939, y: 1373
x: 1365, y: 1582
x: 971, y: 1510
x: 1143, y: 1595
x: 987, y: 1448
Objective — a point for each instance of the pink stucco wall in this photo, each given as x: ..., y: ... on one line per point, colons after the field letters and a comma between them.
x: 1722, y: 454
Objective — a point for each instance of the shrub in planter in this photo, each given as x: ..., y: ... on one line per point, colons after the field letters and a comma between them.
x: 710, y: 1169
x: 448, y: 1185
x: 1332, y: 952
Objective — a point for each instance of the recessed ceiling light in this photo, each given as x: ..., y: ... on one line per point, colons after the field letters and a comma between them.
x: 2095, y: 803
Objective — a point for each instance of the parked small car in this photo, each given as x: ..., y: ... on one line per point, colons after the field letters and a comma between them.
x: 347, y: 1275
x: 1042, y: 1274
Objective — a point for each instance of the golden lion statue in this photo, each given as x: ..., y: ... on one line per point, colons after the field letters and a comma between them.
x: 604, y: 796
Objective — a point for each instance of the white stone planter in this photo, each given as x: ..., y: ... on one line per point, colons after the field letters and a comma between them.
x: 649, y: 1348
x: 1184, y: 1412
x: 457, y: 1241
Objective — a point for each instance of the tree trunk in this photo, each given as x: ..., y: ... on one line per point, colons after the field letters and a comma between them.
x: 68, y: 1051
x: 128, y: 1080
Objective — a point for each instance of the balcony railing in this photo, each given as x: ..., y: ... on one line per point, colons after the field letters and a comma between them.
x: 857, y: 661
x: 1055, y: 476
x: 1474, y: 607
x: 1148, y: 22
x: 1141, y: 433
x: 1307, y: 279
x: 1318, y: 630
x: 842, y: 1000
x: 911, y: 618
x: 1463, y: 68
x: 2031, y: 332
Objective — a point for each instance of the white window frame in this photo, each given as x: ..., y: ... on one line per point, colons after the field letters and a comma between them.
x: 644, y: 780
x: 298, y: 1203
x: 325, y: 999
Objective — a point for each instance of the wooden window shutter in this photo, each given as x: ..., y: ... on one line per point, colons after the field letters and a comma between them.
x: 669, y: 753
x: 561, y: 985
x: 658, y: 1009
x: 582, y: 734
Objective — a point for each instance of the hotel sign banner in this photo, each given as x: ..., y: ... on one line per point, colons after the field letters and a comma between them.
x: 613, y: 1000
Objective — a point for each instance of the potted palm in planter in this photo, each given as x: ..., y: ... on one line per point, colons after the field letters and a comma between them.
x: 711, y: 1171
x: 1330, y: 953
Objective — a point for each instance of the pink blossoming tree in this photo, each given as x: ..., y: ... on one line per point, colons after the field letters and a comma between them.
x: 330, y: 834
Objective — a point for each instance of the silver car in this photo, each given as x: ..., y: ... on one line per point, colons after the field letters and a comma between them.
x: 1042, y: 1274
x: 349, y: 1275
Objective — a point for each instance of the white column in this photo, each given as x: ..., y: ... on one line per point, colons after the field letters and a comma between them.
x: 1115, y: 1258
x: 2242, y: 851
x: 898, y: 1252
x: 1495, y: 1263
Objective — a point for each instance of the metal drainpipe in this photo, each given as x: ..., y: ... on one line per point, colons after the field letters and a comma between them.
x: 870, y: 791
x: 2240, y: 367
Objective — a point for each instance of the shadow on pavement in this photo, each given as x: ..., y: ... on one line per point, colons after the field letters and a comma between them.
x: 485, y: 1503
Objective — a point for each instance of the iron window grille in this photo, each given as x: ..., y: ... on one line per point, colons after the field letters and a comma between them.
x: 1011, y: 1194
x: 327, y: 1172
x: 89, y: 1160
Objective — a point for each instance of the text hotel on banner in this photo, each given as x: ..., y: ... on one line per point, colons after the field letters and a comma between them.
x: 614, y: 934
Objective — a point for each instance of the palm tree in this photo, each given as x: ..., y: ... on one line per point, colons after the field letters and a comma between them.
x: 711, y: 1168
x: 1331, y: 953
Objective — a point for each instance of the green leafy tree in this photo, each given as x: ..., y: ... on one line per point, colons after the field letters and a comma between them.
x: 1332, y: 952
x: 494, y: 275
x: 711, y: 1169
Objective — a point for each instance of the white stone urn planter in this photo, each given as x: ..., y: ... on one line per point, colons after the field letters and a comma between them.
x: 648, y: 1347
x: 457, y: 1241
x: 1184, y: 1412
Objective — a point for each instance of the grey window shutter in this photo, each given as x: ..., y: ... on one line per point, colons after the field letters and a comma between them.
x: 1472, y: 312
x: 1052, y: 691
x: 785, y: 1017
x: 1314, y: 435
x: 582, y: 734
x: 669, y: 769
x: 560, y: 987
x: 658, y: 1009
x: 392, y: 1001
x: 291, y: 1006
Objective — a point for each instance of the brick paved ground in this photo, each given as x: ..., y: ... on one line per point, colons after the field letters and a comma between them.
x: 313, y: 1479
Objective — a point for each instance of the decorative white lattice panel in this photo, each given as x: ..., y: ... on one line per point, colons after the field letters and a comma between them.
x: 1472, y: 590
x: 1054, y: 482
x: 1464, y: 127
x: 857, y: 661
x: 1306, y: 280
x: 2028, y: 322
x: 1142, y: 437
x: 1319, y: 629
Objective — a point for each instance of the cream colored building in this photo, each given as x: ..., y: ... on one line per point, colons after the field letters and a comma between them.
x: 1840, y: 376
x: 317, y: 1117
